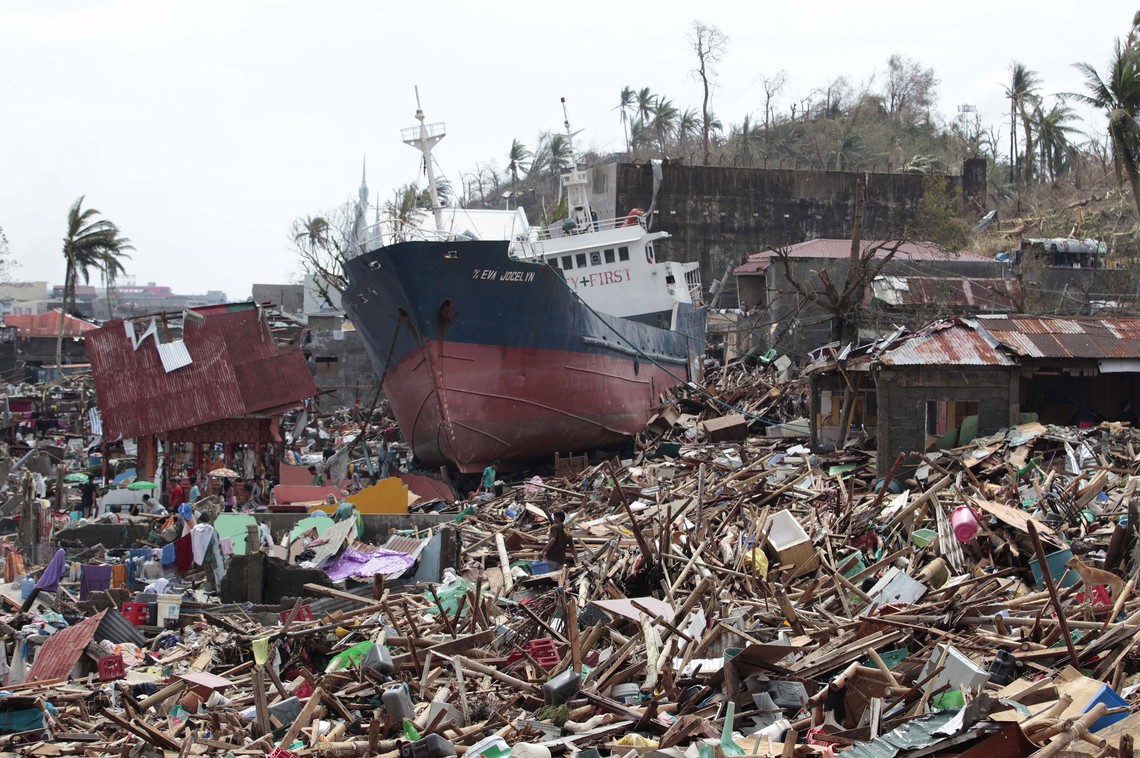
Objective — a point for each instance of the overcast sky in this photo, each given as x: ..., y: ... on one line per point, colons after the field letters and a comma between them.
x: 204, y: 128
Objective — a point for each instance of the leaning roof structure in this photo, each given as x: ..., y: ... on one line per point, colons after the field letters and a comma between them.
x: 224, y: 365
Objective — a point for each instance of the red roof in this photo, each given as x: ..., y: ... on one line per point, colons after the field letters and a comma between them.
x: 47, y: 325
x: 235, y: 370
x: 832, y: 248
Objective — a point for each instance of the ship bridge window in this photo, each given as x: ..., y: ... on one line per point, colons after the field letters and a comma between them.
x: 623, y: 253
x: 567, y: 262
x: 595, y: 258
x: 580, y: 260
x: 610, y: 255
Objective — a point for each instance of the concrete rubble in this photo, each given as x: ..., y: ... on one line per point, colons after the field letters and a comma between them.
x: 734, y: 592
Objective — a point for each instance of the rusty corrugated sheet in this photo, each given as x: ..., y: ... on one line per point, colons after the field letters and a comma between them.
x: 1055, y: 337
x: 58, y: 656
x: 236, y: 370
x: 47, y: 325
x: 951, y: 343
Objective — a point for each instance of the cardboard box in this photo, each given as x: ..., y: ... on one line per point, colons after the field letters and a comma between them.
x: 726, y: 428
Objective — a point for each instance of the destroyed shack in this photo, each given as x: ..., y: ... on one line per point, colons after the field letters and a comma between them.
x: 197, y: 378
x: 958, y: 379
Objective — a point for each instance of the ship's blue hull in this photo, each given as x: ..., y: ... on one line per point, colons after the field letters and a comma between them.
x: 485, y: 358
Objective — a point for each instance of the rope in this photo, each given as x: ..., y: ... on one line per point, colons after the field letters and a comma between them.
x: 679, y: 380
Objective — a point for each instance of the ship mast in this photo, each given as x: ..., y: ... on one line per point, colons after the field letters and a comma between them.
x: 424, y: 137
x: 574, y: 183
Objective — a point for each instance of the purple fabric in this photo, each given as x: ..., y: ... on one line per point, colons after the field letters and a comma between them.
x: 358, y: 563
x: 49, y: 580
x: 95, y: 579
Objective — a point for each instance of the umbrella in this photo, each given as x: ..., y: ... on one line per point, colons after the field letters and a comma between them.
x: 220, y: 472
x: 78, y: 476
x: 141, y: 485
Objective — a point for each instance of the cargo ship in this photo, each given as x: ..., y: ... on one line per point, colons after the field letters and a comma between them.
x: 498, y: 352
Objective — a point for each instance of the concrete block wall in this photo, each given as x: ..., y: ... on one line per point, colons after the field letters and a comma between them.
x: 903, y: 394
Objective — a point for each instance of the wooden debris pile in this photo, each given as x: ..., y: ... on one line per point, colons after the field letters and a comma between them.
x: 742, y: 596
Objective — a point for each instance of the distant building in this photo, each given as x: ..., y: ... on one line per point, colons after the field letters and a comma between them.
x: 130, y: 299
x: 24, y: 297
x: 31, y: 344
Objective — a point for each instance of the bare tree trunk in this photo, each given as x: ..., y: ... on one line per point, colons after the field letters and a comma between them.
x: 62, y: 316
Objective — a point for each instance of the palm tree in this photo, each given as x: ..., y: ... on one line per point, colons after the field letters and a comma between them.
x: 743, y: 140
x: 646, y: 105
x: 1118, y: 94
x: 561, y: 155
x: 312, y: 231
x: 90, y: 243
x: 517, y: 160
x: 1054, y: 142
x: 1022, y: 94
x: 112, y: 270
x: 688, y: 127
x: 665, y: 116
x: 627, y: 104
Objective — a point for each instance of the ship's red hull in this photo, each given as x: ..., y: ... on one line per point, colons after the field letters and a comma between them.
x: 472, y: 405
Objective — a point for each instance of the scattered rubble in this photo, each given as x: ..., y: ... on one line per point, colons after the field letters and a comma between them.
x: 726, y: 590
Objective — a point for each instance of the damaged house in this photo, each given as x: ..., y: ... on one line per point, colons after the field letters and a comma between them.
x: 962, y: 378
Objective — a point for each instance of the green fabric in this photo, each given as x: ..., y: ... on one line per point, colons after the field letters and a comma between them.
x: 488, y: 478
x: 320, y: 523
x: 350, y: 657
x: 234, y: 525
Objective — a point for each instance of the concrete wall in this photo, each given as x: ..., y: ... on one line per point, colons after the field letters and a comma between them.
x: 904, y: 392
x: 719, y: 215
x: 340, y: 366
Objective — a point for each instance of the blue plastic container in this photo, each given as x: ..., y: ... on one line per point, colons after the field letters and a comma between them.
x: 1109, y: 697
x: 1057, y: 569
x: 540, y: 567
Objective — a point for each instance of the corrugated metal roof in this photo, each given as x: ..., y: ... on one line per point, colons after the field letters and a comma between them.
x: 47, y: 325
x: 236, y: 370
x: 947, y: 343
x: 118, y: 630
x: 58, y: 656
x: 1076, y: 337
x: 973, y: 294
x: 911, y: 251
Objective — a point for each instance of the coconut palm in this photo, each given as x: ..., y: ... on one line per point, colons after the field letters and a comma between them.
x: 1054, y: 139
x: 1118, y: 94
x: 744, y: 140
x: 90, y: 243
x: 688, y: 128
x: 561, y: 154
x: 1022, y: 94
x: 646, y: 105
x: 665, y: 116
x: 628, y: 103
x: 517, y: 160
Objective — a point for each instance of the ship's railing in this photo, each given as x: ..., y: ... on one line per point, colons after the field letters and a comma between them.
x: 413, y: 133
x: 556, y: 231
x: 392, y: 230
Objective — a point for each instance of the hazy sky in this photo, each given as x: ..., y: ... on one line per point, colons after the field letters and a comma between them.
x: 204, y: 128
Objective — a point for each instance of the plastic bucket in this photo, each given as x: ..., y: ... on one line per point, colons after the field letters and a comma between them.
x: 964, y: 523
